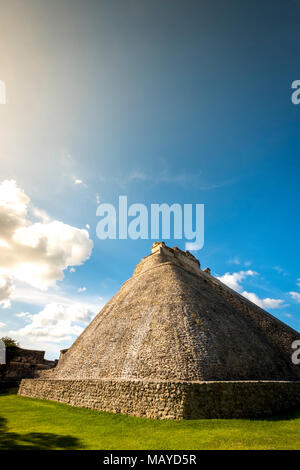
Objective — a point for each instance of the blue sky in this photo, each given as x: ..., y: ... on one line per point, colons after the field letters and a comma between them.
x: 162, y: 101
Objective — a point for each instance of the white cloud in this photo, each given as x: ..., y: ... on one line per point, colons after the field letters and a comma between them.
x: 41, y: 214
x: 36, y: 253
x: 55, y: 323
x: 23, y: 315
x: 77, y: 181
x: 295, y: 296
x: 2, y: 92
x: 13, y: 209
x: 82, y: 289
x: 6, y: 290
x: 88, y: 226
x: 280, y: 270
x: 72, y: 270
x: 165, y: 176
x: 233, y: 280
x: 32, y: 296
x: 263, y: 303
x: 272, y: 303
x: 97, y: 198
x: 234, y: 260
x: 298, y: 282
x: 189, y: 246
x: 54, y: 296
x: 2, y: 325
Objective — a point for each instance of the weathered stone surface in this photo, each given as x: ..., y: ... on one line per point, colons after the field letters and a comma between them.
x: 174, y: 323
x: 171, y: 400
x: 23, y: 363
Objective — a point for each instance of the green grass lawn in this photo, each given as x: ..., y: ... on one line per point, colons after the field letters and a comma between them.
x: 27, y: 423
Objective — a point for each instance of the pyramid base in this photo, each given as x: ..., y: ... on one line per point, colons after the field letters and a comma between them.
x: 170, y: 400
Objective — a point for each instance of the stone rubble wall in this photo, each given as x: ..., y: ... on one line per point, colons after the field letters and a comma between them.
x: 164, y: 254
x: 23, y: 363
x: 171, y: 400
x: 137, y: 398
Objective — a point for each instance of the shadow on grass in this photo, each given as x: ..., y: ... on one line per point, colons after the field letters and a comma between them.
x: 35, y: 440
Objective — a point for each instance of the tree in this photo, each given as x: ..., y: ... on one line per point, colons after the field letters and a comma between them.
x: 9, y: 342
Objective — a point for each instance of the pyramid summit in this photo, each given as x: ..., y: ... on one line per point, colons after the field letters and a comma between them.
x: 175, y: 342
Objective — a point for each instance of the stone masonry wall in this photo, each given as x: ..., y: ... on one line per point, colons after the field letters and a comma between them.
x: 23, y: 363
x: 171, y: 400
x: 139, y: 398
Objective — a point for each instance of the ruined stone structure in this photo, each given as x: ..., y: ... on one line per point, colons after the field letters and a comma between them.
x: 23, y: 363
x: 175, y: 342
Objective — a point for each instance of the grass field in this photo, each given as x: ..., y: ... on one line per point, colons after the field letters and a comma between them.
x: 27, y: 423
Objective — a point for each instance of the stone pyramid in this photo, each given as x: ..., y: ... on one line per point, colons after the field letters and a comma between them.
x: 175, y: 342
